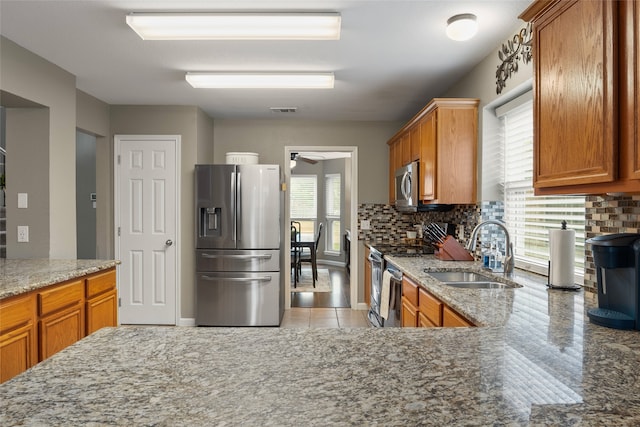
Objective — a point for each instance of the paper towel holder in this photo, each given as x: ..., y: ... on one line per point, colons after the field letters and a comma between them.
x: 564, y: 286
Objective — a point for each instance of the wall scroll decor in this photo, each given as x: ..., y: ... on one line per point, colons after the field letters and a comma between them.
x: 514, y: 50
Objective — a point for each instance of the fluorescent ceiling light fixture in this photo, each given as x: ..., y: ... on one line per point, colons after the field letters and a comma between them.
x: 462, y: 27
x: 236, y: 26
x: 221, y: 80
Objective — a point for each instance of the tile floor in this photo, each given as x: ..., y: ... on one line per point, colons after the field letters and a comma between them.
x: 303, y: 317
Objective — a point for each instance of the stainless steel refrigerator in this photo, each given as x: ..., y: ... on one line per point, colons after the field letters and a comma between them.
x: 238, y: 257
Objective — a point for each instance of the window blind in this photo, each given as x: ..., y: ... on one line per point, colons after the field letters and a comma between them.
x: 333, y: 195
x: 304, y: 197
x: 529, y: 218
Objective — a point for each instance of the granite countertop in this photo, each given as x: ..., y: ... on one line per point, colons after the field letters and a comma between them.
x: 18, y: 276
x: 536, y: 361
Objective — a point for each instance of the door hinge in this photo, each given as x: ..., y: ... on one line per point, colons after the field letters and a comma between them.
x: 119, y: 302
x: 118, y: 158
x: 118, y: 231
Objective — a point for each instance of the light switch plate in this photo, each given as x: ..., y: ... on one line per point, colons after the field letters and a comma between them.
x: 23, y: 200
x: 365, y: 224
x: 23, y: 234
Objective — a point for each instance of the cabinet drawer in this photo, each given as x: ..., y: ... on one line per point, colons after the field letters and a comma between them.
x: 410, y: 290
x: 101, y: 282
x: 16, y: 311
x: 58, y: 297
x: 431, y: 307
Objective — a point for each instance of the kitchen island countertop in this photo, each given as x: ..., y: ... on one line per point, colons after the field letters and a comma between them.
x: 536, y: 361
x: 18, y: 276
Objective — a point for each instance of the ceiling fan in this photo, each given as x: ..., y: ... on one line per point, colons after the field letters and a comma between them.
x: 297, y: 156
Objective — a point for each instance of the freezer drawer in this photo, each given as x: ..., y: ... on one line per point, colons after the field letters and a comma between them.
x: 237, y: 260
x: 238, y: 299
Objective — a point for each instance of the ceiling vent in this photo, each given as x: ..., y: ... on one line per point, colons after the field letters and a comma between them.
x: 283, y: 109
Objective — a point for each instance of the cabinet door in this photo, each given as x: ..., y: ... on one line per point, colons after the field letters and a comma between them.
x: 18, y: 341
x: 17, y: 352
x: 410, y: 290
x: 415, y: 142
x: 575, y: 92
x: 630, y: 91
x: 430, y: 307
x: 406, y: 148
x: 428, y: 157
x: 452, y: 319
x: 60, y: 330
x: 409, y: 314
x: 424, y: 322
x: 102, y: 311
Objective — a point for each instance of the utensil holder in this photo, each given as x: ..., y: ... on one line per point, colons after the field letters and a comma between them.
x: 451, y: 250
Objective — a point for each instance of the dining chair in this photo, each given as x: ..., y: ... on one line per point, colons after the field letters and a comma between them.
x: 295, y: 251
x: 308, y: 256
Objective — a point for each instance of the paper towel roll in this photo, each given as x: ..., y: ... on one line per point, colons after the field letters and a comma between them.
x: 562, y: 245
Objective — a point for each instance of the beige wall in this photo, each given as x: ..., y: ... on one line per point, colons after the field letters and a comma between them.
x: 195, y: 130
x: 27, y: 133
x: 269, y: 137
x: 29, y: 76
x: 481, y: 83
x: 93, y: 117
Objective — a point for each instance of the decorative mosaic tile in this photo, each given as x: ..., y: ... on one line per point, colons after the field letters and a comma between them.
x: 608, y: 215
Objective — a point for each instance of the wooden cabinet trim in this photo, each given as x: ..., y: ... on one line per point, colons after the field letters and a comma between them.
x: 18, y: 351
x: 424, y: 322
x: 60, y: 330
x: 409, y: 315
x: 101, y: 311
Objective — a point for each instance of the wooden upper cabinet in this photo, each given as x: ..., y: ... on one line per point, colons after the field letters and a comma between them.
x: 406, y: 149
x: 414, y: 153
x: 447, y: 131
x: 428, y: 157
x: 395, y: 159
x: 585, y: 96
x: 630, y: 85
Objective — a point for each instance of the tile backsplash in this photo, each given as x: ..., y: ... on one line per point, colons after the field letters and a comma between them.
x: 604, y: 215
x: 608, y: 215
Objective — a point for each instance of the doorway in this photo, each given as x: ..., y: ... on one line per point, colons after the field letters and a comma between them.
x: 325, y: 171
x: 85, y: 195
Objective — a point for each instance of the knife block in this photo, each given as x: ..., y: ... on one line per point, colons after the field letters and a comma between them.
x: 451, y: 250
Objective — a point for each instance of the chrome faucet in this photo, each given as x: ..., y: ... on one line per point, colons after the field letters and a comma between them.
x: 509, y: 261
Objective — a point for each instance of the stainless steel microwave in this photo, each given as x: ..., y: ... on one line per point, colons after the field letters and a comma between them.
x: 406, y: 187
x: 407, y: 196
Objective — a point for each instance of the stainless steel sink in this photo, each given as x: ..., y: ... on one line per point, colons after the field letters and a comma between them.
x: 467, y: 279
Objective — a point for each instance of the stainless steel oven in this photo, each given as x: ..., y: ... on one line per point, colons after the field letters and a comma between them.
x: 378, y: 267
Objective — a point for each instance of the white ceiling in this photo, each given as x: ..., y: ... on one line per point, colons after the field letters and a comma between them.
x: 392, y: 57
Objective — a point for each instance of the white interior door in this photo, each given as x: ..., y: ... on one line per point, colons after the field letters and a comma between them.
x: 146, y: 227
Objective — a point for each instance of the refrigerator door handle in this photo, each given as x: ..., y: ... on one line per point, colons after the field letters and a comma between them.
x: 235, y: 202
x: 238, y: 279
x: 213, y: 256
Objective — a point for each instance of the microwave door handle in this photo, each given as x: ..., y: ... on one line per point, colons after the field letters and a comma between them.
x: 403, y: 185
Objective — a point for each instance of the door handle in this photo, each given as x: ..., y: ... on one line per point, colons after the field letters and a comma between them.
x: 169, y: 242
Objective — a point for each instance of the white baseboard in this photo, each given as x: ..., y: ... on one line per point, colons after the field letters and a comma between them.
x: 186, y: 322
x: 362, y: 306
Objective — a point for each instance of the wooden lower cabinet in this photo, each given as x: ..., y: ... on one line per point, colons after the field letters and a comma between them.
x: 452, y: 319
x: 60, y: 330
x: 102, y: 301
x: 38, y: 324
x: 18, y: 336
x: 422, y: 309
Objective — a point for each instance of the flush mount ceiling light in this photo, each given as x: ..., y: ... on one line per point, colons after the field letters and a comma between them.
x: 462, y: 27
x: 236, y: 26
x: 261, y: 80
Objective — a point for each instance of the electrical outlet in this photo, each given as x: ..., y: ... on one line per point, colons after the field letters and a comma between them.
x: 365, y: 224
x: 23, y: 233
